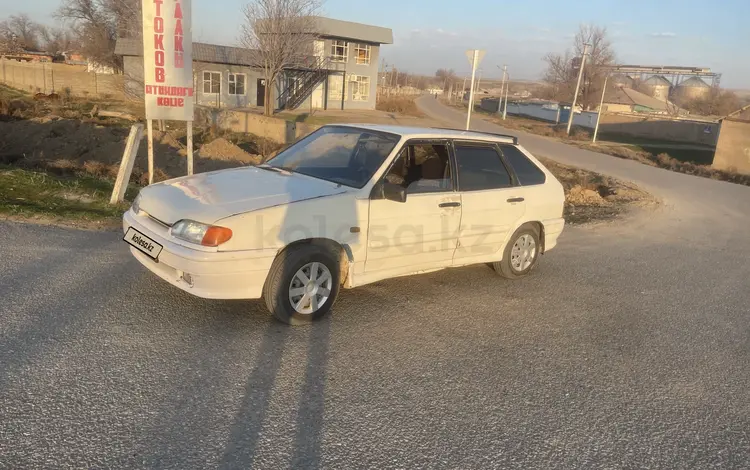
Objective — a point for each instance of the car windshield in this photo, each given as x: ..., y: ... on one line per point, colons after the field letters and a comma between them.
x: 343, y: 155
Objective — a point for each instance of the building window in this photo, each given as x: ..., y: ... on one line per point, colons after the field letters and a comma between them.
x: 237, y: 83
x: 360, y: 88
x: 362, y: 54
x: 339, y: 50
x: 335, y: 85
x: 211, y: 82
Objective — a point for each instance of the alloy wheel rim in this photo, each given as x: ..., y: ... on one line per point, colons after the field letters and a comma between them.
x: 310, y: 288
x: 523, y: 253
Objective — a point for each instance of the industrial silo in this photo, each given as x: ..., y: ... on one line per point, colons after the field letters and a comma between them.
x: 658, y: 87
x: 621, y: 80
x: 691, y: 89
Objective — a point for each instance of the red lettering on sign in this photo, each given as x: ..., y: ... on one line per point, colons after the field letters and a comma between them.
x: 158, y: 24
x: 158, y: 6
x: 159, y: 42
x: 179, y: 60
x: 177, y: 10
x: 170, y: 102
x: 148, y: 89
x: 178, y: 28
x: 178, y: 43
x: 159, y: 58
x: 159, y: 75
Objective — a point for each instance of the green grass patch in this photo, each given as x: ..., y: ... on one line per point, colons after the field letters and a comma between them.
x: 78, y: 199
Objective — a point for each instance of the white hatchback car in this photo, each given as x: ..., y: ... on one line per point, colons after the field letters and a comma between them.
x: 346, y: 206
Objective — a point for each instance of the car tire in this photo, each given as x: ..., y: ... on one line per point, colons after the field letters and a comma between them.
x: 284, y: 285
x: 521, y: 254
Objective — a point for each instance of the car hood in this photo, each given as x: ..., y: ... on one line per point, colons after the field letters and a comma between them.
x: 208, y: 197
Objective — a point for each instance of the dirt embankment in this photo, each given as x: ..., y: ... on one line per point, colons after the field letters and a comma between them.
x: 593, y: 197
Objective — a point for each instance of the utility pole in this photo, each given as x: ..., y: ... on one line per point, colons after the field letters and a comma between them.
x: 463, y: 90
x: 479, y: 79
x: 474, y: 60
x: 505, y: 105
x: 578, y: 86
x: 502, y: 84
x: 601, y: 108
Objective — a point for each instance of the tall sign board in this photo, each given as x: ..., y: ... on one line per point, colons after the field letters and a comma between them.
x: 168, y: 59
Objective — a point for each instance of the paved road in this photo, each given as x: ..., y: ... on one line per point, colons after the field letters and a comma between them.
x: 629, y: 347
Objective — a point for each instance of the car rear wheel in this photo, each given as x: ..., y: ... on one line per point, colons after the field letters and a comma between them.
x: 521, y: 254
x: 302, y: 284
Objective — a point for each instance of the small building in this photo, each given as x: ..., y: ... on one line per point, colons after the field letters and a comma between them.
x: 627, y: 100
x: 29, y: 56
x: 733, y: 145
x: 342, y: 74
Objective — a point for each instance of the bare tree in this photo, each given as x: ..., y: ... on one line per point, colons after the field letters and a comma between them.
x: 446, y: 78
x: 98, y: 23
x: 562, y: 69
x: 23, y: 31
x: 56, y: 40
x: 281, y: 35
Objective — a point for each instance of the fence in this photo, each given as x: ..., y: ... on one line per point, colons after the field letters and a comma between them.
x: 36, y: 77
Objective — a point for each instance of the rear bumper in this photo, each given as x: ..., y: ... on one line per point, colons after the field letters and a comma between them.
x: 211, y: 275
x: 552, y: 230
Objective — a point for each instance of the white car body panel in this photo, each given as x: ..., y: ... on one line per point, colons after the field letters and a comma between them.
x: 269, y: 210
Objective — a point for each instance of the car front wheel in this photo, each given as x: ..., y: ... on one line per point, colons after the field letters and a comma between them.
x: 521, y: 254
x: 302, y: 284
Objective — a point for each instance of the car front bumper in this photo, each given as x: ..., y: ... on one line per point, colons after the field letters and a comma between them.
x: 206, y: 274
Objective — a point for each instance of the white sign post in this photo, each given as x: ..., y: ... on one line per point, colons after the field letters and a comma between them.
x: 475, y: 56
x: 168, y: 67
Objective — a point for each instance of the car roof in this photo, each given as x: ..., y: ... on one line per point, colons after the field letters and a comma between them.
x: 433, y: 132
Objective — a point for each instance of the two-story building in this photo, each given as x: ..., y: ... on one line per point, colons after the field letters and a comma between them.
x: 343, y: 73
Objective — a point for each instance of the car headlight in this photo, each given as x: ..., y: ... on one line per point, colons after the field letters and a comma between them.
x: 201, y: 234
x: 136, y: 206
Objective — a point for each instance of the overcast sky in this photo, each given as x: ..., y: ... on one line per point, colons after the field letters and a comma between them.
x: 433, y: 34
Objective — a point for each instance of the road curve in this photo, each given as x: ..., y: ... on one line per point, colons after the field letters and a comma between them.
x: 628, y: 347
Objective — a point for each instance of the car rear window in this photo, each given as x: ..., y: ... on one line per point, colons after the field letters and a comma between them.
x: 480, y: 168
x: 526, y: 171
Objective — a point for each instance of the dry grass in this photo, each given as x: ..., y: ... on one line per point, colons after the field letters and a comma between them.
x: 398, y: 104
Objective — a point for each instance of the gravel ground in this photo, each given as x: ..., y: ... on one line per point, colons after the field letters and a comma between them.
x: 628, y: 347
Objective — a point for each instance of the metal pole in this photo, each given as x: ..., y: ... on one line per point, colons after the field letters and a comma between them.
x: 463, y: 90
x: 471, y: 90
x: 190, y: 147
x: 601, y: 108
x: 502, y: 85
x: 150, y: 137
x: 578, y: 86
x: 479, y: 79
x: 505, y: 106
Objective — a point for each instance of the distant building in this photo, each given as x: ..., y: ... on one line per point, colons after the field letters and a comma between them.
x: 342, y: 74
x: 691, y: 89
x: 627, y: 100
x: 733, y: 145
x: 29, y: 56
x: 658, y: 87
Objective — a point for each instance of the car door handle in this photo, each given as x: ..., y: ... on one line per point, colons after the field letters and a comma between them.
x: 516, y: 199
x: 449, y: 204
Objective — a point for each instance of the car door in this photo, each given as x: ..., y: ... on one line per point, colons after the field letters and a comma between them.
x: 491, y: 204
x: 422, y: 232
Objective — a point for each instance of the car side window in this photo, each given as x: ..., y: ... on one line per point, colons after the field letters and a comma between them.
x: 526, y: 171
x: 480, y: 168
x: 422, y: 168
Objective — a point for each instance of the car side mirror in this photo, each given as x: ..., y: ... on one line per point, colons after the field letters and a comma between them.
x: 391, y: 192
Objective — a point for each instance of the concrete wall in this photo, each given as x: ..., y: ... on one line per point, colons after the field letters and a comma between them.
x: 659, y: 128
x: 733, y: 147
x: 36, y: 77
x: 245, y: 121
x: 133, y: 68
x: 533, y: 110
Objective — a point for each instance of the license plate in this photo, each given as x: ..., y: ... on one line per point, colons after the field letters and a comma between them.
x: 141, y: 242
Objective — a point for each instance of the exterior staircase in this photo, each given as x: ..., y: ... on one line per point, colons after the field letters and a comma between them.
x: 304, y: 80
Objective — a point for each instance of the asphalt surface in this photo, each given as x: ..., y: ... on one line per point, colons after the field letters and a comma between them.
x: 628, y: 347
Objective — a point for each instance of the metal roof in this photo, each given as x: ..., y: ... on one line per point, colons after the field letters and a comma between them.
x: 628, y: 96
x: 694, y: 82
x: 201, y: 52
x: 657, y: 80
x: 328, y: 27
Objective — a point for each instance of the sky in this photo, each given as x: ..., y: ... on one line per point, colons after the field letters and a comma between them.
x: 432, y: 34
